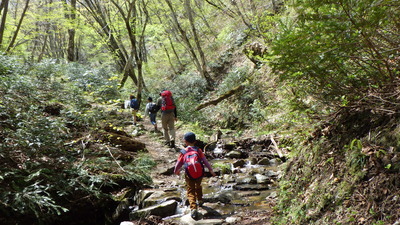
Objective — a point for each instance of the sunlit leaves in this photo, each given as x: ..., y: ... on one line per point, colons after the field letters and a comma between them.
x: 336, y: 47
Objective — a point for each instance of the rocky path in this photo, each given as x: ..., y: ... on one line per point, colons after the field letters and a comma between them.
x: 165, y: 182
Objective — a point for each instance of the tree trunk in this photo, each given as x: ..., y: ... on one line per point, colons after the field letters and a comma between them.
x: 71, y: 53
x: 198, y: 63
x: 4, y: 5
x: 40, y: 57
x: 132, y: 23
x: 226, y: 95
x: 203, y: 65
x: 11, y: 45
x: 97, y: 11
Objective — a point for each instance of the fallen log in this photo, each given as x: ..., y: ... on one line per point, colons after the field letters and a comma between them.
x: 222, y: 97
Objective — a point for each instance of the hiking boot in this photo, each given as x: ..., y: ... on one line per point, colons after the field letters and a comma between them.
x: 193, y: 214
x: 201, y: 203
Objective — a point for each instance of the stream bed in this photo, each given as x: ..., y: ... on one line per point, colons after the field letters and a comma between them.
x: 246, y: 182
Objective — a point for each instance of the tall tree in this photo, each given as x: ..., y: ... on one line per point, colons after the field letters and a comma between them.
x: 71, y: 16
x: 127, y: 44
x: 96, y: 10
x: 203, y: 66
x: 4, y: 9
x: 14, y: 37
x: 136, y: 17
x: 197, y: 56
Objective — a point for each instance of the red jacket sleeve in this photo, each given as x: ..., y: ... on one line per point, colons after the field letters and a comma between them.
x: 178, y: 164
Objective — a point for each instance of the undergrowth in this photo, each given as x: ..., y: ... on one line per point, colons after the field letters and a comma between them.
x: 339, y: 177
x: 50, y: 165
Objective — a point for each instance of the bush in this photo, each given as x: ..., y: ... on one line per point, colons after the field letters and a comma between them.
x: 44, y: 114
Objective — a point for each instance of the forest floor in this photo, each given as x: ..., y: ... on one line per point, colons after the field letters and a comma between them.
x: 166, y: 157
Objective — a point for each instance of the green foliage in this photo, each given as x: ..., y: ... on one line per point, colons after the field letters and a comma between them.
x: 187, y: 93
x: 101, y: 83
x: 43, y: 110
x: 355, y: 159
x: 330, y: 50
x: 225, y: 168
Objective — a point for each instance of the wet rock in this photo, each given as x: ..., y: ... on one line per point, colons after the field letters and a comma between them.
x: 239, y: 163
x: 122, y: 211
x: 273, y: 195
x: 249, y: 194
x: 227, y: 178
x: 187, y: 219
x: 271, y: 173
x: 157, y: 197
x: 232, y: 220
x: 257, y: 148
x: 219, y: 171
x: 230, y: 146
x: 210, y: 147
x: 209, y: 212
x: 234, y: 154
x: 142, y: 195
x: 223, y: 197
x: 171, y: 189
x: 258, y: 170
x: 251, y: 187
x: 264, y: 162
x: 275, y: 161
x: 168, y: 171
x: 126, y: 223
x: 262, y: 179
x: 253, y: 161
x: 246, y: 180
x: 163, y: 210
x: 216, y: 136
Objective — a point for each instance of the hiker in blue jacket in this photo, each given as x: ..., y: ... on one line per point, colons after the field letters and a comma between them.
x: 151, y: 110
x: 135, y: 108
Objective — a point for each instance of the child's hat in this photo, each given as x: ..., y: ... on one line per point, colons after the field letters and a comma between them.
x: 190, y: 137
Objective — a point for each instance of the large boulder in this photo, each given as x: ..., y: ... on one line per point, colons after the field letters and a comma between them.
x: 148, y: 198
x: 164, y: 209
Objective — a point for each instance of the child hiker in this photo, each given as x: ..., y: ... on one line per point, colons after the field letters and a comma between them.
x: 193, y: 160
x: 151, y: 110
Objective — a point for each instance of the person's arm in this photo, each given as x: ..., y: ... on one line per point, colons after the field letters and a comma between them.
x: 178, y: 164
x: 206, y: 163
x: 146, y: 112
x: 159, y: 103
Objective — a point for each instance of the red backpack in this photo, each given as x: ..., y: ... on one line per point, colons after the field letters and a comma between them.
x: 192, y: 162
x: 167, y: 101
